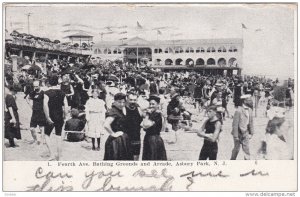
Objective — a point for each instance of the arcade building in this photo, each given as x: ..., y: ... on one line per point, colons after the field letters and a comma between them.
x: 207, y: 56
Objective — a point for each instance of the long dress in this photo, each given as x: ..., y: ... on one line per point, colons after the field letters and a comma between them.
x: 66, y: 88
x: 11, y: 130
x: 117, y: 148
x: 237, y: 95
x: 76, y: 98
x: 95, y: 114
x: 277, y: 148
x: 154, y: 147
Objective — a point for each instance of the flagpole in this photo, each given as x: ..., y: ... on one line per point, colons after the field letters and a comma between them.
x: 242, y: 33
x: 137, y: 55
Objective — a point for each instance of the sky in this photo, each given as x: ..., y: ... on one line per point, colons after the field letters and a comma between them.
x: 269, y: 40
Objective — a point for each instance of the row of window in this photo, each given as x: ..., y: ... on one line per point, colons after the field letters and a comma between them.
x: 232, y: 62
x: 108, y: 51
x: 198, y: 50
x: 174, y: 50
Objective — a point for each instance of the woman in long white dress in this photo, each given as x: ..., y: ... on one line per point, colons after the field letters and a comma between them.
x: 277, y: 140
x: 95, y: 116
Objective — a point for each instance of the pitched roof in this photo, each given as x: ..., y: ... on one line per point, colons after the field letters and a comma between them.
x: 79, y: 34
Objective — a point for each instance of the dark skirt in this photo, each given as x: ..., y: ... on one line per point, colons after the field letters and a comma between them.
x: 117, y: 148
x: 237, y: 102
x: 11, y: 130
x: 154, y: 148
x: 70, y: 100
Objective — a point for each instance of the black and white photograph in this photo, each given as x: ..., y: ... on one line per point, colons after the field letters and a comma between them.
x: 149, y: 82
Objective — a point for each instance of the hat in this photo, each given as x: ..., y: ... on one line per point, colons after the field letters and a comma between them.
x: 218, y: 84
x: 13, y: 88
x: 278, y: 112
x: 155, y: 98
x: 74, y: 112
x: 245, y: 96
x: 119, y: 96
x: 173, y: 94
x: 213, y: 107
x: 221, y: 109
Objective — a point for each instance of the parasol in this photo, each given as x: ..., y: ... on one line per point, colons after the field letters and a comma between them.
x: 15, y: 33
x: 34, y: 68
x: 56, y: 41
x: 26, y: 67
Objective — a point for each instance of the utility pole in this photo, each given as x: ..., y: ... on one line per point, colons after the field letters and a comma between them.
x: 28, y: 25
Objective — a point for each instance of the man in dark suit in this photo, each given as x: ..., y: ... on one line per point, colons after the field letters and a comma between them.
x: 242, y: 127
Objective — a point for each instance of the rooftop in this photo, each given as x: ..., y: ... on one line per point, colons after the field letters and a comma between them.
x: 142, y: 42
x: 79, y: 35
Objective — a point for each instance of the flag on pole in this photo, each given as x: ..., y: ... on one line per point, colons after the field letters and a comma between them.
x: 139, y: 26
x: 244, y: 26
x: 159, y: 32
x: 108, y: 28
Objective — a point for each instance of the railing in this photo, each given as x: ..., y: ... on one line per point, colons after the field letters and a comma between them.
x: 50, y: 46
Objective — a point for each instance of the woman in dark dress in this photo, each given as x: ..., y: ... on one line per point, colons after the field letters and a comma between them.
x: 174, y: 112
x: 117, y: 144
x: 67, y: 88
x: 11, y: 117
x: 237, y: 94
x: 80, y: 93
x: 198, y: 94
x: 154, y: 148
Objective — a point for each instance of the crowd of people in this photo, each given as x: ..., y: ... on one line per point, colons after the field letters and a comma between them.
x: 25, y: 39
x: 83, y: 99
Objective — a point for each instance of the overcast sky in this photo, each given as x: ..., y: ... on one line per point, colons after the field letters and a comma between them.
x: 268, y: 39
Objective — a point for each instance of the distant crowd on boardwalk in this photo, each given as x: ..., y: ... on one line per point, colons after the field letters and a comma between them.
x: 84, y: 99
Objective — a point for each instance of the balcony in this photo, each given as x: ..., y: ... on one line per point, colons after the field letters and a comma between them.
x: 49, y: 46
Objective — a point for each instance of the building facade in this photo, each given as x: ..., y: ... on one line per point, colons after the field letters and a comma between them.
x: 204, y: 55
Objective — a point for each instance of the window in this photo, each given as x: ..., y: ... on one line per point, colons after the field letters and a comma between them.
x: 107, y: 51
x: 211, y: 50
x: 178, y: 50
x: 222, y: 49
x: 233, y: 49
x: 158, y: 50
x: 168, y: 62
x: 189, y: 50
x: 178, y: 61
x: 200, y: 50
x: 200, y: 62
x: 117, y: 51
x: 211, y: 61
x: 168, y: 50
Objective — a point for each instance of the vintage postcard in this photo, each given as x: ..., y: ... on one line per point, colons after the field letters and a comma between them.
x: 150, y: 97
